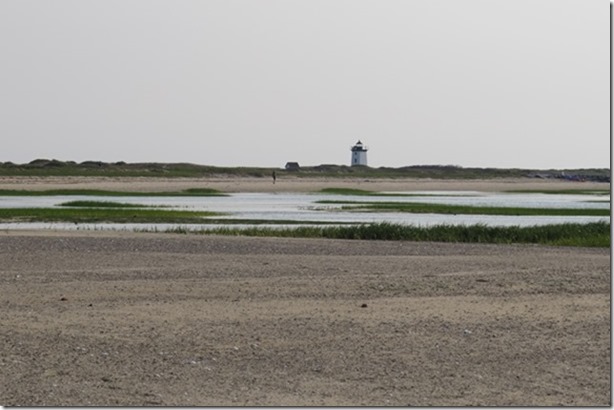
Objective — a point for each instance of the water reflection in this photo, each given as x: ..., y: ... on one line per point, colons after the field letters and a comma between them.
x: 303, y: 207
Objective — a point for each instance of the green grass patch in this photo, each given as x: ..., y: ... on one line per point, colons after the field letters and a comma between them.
x: 415, y: 207
x: 224, y: 221
x: 94, y: 215
x: 585, y: 235
x: 100, y: 212
x: 347, y: 191
x: 103, y: 204
x: 201, y: 192
x: 97, y: 192
x: 561, y: 191
x: 227, y: 226
x: 364, y: 192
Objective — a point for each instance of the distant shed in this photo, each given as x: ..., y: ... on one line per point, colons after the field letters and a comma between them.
x: 292, y: 166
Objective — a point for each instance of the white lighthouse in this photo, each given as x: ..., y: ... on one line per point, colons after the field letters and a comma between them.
x: 359, y: 154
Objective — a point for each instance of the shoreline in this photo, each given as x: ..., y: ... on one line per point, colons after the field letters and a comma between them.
x: 294, y: 184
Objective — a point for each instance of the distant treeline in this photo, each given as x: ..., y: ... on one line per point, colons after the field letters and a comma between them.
x: 54, y: 167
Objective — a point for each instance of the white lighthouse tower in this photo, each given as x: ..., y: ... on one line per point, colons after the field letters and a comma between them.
x: 359, y: 154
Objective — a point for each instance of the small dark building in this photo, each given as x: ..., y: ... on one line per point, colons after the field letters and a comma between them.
x: 292, y: 166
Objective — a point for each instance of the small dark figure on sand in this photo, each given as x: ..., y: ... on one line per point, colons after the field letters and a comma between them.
x: 274, y: 177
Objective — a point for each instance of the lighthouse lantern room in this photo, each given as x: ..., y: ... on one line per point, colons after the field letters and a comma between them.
x: 359, y: 154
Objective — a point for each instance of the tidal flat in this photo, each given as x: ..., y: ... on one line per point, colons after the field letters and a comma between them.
x: 108, y: 318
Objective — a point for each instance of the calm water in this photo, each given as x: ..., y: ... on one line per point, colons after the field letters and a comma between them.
x: 302, y: 207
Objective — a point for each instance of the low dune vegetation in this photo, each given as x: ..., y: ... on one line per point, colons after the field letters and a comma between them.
x: 55, y: 167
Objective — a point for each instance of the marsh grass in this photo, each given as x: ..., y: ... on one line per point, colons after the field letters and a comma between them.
x: 347, y: 191
x: 587, y: 235
x: 100, y: 212
x: 561, y: 191
x: 97, y: 192
x: 364, y: 192
x: 91, y: 215
x: 237, y: 221
x: 202, y: 192
x: 103, y: 204
x: 416, y: 207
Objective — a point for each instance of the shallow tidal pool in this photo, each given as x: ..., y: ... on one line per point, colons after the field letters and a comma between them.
x: 304, y: 208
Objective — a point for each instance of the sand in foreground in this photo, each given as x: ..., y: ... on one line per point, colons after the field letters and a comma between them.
x: 148, y: 319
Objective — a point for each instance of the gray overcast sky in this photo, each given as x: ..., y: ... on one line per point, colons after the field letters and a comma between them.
x: 487, y: 83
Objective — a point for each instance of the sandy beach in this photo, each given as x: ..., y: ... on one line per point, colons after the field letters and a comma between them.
x: 290, y: 184
x: 106, y: 319
x: 143, y: 319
